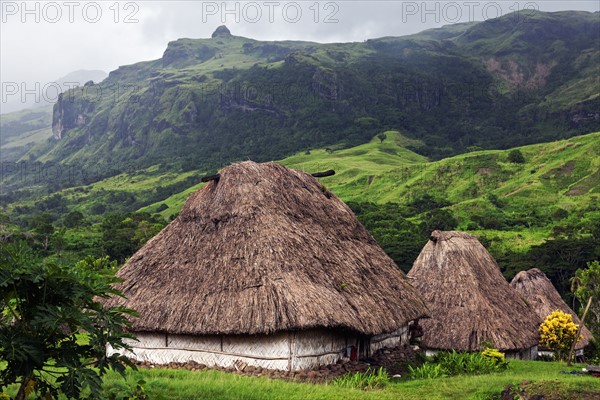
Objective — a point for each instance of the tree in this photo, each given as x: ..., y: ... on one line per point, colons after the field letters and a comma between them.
x: 124, y: 234
x: 515, y: 156
x: 53, y: 329
x: 557, y: 332
x: 41, y: 224
x: 471, y: 149
x: 439, y: 219
x: 58, y: 241
x: 586, y: 284
x: 427, y: 202
x: 73, y: 219
x: 382, y: 136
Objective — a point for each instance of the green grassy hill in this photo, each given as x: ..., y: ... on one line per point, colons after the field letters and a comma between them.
x: 563, y: 174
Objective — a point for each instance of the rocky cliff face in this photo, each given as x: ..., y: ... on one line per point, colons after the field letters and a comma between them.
x: 180, y: 54
x: 69, y: 113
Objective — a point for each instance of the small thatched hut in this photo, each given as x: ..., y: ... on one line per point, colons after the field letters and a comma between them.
x: 469, y: 300
x: 535, y: 287
x: 265, y: 267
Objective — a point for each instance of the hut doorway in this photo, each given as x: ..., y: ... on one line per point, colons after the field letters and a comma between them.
x: 364, y: 347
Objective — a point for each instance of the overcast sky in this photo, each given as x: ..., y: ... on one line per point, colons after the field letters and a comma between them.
x: 41, y: 41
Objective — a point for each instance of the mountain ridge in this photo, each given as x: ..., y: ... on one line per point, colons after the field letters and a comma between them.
x: 208, y: 102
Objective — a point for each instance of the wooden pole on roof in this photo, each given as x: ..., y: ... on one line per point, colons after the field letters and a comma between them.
x: 587, y: 307
x: 209, y: 178
x: 323, y: 174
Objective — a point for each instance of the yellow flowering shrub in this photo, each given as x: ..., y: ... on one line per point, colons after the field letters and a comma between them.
x: 494, y: 355
x: 557, y: 333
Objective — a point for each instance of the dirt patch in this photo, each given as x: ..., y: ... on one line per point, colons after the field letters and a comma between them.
x: 585, y: 185
x: 395, y: 361
x: 532, y: 77
x: 561, y: 172
x: 322, y: 374
x: 577, y: 190
x: 546, y: 390
x: 517, y: 190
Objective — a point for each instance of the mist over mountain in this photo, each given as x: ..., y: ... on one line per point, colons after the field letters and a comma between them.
x: 33, y: 95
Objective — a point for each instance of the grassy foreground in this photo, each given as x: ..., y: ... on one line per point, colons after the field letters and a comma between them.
x: 180, y: 384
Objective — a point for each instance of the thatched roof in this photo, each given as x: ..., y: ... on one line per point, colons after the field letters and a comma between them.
x: 535, y: 287
x: 469, y: 299
x: 263, y: 249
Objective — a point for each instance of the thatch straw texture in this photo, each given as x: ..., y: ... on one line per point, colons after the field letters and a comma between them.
x: 535, y: 287
x: 469, y: 299
x: 266, y: 249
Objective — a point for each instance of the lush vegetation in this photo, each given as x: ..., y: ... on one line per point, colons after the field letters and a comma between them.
x: 43, y: 309
x: 171, y: 384
x: 586, y: 286
x: 453, y: 363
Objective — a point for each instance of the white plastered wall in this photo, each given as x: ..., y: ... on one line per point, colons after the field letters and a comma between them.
x: 282, y: 351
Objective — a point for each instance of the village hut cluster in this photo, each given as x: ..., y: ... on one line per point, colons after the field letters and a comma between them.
x: 265, y: 267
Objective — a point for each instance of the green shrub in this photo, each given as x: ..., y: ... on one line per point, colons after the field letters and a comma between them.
x: 4, y: 396
x: 515, y: 156
x: 453, y: 363
x: 496, y: 357
x: 368, y: 380
x: 427, y: 371
x: 592, y: 352
x: 123, y: 391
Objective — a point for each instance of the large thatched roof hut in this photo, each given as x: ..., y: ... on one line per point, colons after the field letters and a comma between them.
x: 535, y: 287
x: 265, y: 267
x: 469, y: 300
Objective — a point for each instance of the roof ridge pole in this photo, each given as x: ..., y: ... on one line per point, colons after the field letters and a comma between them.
x: 587, y: 307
